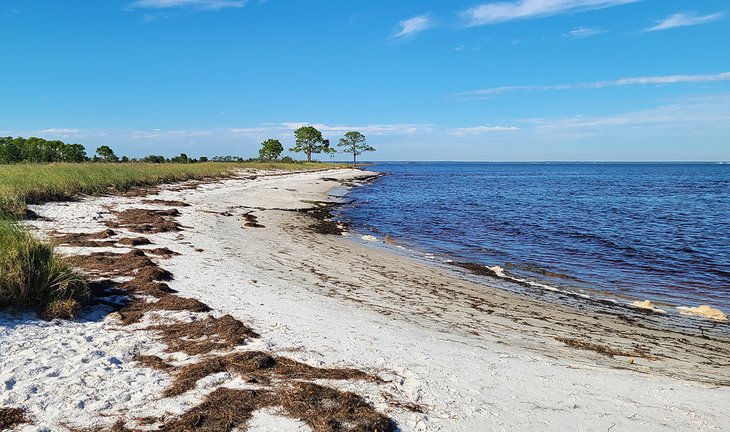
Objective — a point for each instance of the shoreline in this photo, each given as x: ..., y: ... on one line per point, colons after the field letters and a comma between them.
x: 708, y: 320
x: 474, y: 356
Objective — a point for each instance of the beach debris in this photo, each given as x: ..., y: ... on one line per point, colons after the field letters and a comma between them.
x: 477, y: 269
x: 324, y: 224
x: 167, y: 203
x: 323, y: 409
x: 135, y: 311
x: 114, y: 264
x: 369, y: 238
x: 202, y: 336
x: 251, y: 221
x: 162, y: 252
x: 11, y: 417
x: 604, y: 349
x: 647, y: 305
x: 96, y: 239
x: 152, y: 362
x: 326, y: 409
x: 146, y: 221
x: 704, y: 311
x: 135, y: 241
x: 256, y: 367
x: 499, y: 271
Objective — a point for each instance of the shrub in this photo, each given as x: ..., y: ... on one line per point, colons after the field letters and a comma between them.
x: 33, y: 276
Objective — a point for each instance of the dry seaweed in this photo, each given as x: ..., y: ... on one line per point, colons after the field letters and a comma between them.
x: 134, y: 241
x: 11, y: 417
x: 146, y: 221
x: 251, y: 221
x: 97, y: 239
x: 325, y: 409
x: 135, y: 311
x: 152, y: 362
x: 163, y: 252
x: 113, y: 264
x: 169, y: 203
x: 256, y: 367
x: 223, y: 410
x: 604, y: 349
x: 205, y: 335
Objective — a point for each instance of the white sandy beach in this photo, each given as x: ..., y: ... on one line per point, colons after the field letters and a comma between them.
x: 474, y: 357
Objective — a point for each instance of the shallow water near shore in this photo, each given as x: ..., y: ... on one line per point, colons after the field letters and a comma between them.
x: 635, y: 231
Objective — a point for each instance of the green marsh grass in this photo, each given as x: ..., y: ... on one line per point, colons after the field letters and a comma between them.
x: 32, y: 275
x: 36, y: 183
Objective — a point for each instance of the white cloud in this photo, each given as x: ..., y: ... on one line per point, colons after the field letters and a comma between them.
x: 413, y: 26
x: 492, y: 13
x: 59, y: 131
x: 583, y: 32
x: 684, y: 20
x: 478, y: 130
x: 694, y: 113
x: 373, y: 129
x: 197, y: 4
x: 647, y: 80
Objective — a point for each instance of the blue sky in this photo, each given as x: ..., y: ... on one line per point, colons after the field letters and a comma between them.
x: 423, y: 80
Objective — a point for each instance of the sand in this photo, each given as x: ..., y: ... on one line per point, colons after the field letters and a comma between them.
x: 474, y: 353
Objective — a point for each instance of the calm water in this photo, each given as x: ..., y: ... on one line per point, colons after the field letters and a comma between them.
x: 643, y: 231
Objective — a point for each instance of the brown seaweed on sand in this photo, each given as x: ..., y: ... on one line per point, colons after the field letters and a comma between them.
x: 146, y: 221
x: 205, y: 335
x: 96, y: 239
x: 169, y: 203
x: 135, y: 311
x: 324, y: 409
x: 604, y: 349
x: 256, y: 367
x: 11, y: 417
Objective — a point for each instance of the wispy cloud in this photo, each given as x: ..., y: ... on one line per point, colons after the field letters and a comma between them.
x: 59, y: 131
x: 195, y: 4
x: 479, y: 130
x: 492, y: 13
x: 696, y: 113
x: 372, y: 129
x: 413, y: 26
x: 583, y: 32
x: 685, y: 20
x: 646, y: 80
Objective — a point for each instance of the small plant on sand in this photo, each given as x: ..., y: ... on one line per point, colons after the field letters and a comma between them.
x: 33, y: 276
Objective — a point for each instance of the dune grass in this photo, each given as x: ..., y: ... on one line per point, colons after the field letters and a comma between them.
x: 36, y: 183
x: 33, y: 276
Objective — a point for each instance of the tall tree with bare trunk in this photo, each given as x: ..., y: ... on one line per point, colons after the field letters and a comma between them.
x: 354, y: 142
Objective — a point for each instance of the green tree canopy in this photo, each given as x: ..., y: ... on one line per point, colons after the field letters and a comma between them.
x: 354, y: 142
x: 309, y: 140
x: 183, y: 158
x: 271, y: 149
x: 106, y: 154
x: 39, y: 150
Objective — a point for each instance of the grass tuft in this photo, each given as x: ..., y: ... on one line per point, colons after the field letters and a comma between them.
x: 33, y: 276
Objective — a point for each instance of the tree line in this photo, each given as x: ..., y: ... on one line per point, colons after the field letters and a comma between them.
x: 308, y: 140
